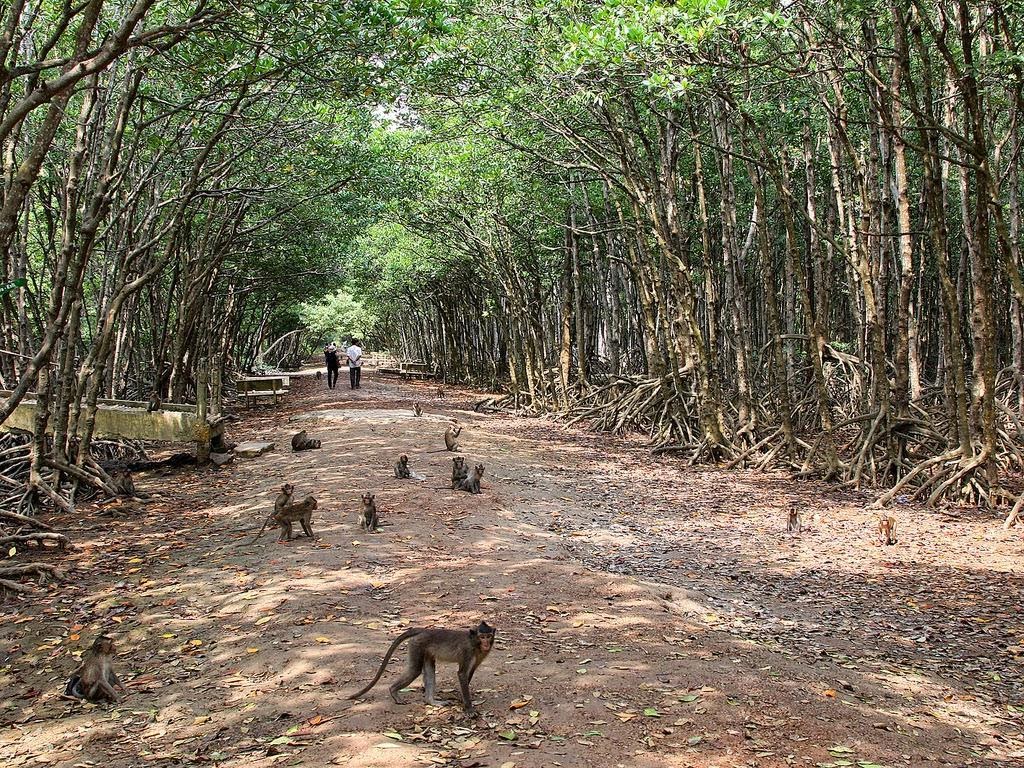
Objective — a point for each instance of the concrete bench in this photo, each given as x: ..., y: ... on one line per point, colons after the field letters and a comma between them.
x: 409, y: 370
x: 284, y: 380
x: 256, y: 388
x: 415, y: 371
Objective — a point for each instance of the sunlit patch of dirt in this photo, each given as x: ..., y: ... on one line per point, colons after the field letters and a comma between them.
x: 648, y: 614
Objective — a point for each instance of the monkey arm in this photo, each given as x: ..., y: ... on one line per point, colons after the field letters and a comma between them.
x: 114, y: 680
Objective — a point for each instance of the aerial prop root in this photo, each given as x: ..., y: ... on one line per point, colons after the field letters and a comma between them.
x: 949, y: 476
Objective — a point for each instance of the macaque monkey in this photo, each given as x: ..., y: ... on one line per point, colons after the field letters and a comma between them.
x: 301, y: 512
x: 416, y: 410
x: 472, y: 482
x: 368, y: 520
x: 459, y: 471
x: 440, y: 392
x: 887, y: 530
x: 450, y: 443
x: 284, y: 498
x: 300, y: 442
x: 468, y: 649
x: 402, y: 471
x: 95, y: 679
x: 795, y: 523
x: 154, y: 402
x: 122, y: 481
x: 319, y: 375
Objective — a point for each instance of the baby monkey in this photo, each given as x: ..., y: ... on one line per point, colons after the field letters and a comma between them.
x: 472, y: 482
x: 95, y: 679
x: 887, y: 530
x: 795, y: 523
x: 402, y: 471
x: 428, y: 646
x: 440, y: 392
x: 368, y: 520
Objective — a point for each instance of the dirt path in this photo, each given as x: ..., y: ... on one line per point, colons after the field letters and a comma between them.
x: 648, y: 614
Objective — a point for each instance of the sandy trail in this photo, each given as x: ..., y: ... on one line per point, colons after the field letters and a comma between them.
x: 647, y: 614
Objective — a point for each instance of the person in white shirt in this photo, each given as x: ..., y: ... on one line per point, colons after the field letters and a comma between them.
x: 355, y: 363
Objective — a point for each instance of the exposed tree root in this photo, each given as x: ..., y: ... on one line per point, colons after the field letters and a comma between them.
x: 869, y: 446
x: 41, y: 571
x: 38, y: 538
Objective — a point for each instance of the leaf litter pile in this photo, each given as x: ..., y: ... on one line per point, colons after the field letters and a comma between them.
x: 648, y: 614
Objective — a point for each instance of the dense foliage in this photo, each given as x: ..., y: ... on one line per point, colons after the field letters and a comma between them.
x: 764, y: 234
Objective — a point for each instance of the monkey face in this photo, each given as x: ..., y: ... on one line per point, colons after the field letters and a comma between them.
x: 404, y: 459
x: 287, y: 488
x: 368, y: 497
x: 480, y: 469
x: 484, y: 636
x: 104, y: 644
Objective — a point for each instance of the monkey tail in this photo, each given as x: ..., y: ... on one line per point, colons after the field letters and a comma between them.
x: 387, y: 657
x: 265, y: 524
x: 73, y: 689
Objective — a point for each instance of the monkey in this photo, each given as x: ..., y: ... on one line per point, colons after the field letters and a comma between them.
x: 402, y: 471
x: 368, y: 520
x: 416, y: 410
x: 122, y: 481
x: 887, y: 530
x: 154, y: 402
x: 459, y: 471
x: 795, y: 523
x: 468, y: 649
x: 300, y: 512
x: 471, y: 483
x: 284, y: 498
x: 302, y: 443
x: 319, y: 375
x: 451, y: 444
x: 440, y: 392
x: 95, y: 679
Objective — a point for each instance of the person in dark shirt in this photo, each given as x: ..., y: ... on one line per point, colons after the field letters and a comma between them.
x: 333, y: 361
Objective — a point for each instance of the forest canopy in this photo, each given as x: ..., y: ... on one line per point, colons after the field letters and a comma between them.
x: 763, y: 234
